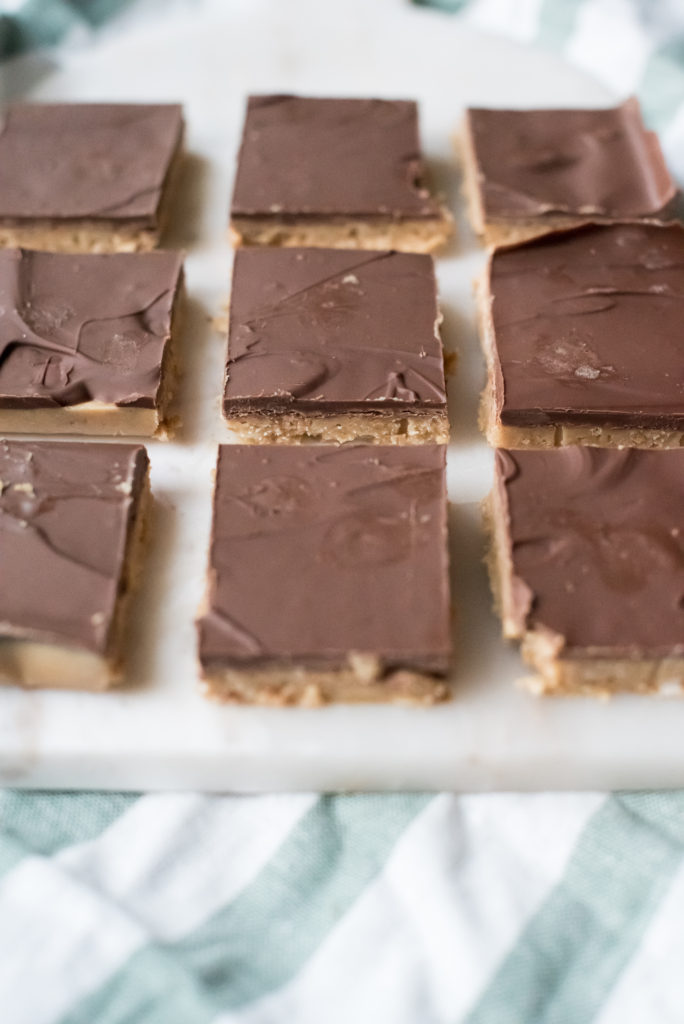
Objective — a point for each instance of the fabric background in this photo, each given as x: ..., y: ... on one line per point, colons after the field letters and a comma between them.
x: 401, y: 908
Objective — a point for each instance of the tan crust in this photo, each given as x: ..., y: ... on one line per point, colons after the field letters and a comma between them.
x: 500, y: 436
x: 88, y: 418
x: 94, y: 236
x: 374, y: 428
x: 409, y: 235
x: 34, y: 665
x: 558, y: 676
x: 553, y: 435
x: 600, y: 677
x: 78, y: 236
x: 361, y: 682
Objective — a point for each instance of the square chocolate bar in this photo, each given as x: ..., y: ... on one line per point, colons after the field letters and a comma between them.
x: 582, y: 332
x: 342, y: 173
x: 328, y: 576
x: 87, y: 177
x: 86, y: 341
x: 331, y: 345
x: 72, y: 518
x: 532, y: 171
x: 587, y: 567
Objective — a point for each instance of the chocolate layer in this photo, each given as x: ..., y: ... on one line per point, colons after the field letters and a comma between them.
x: 588, y: 327
x: 319, y: 552
x: 65, y: 515
x: 333, y: 330
x: 84, y: 328
x: 597, y: 542
x: 86, y: 161
x: 536, y: 163
x: 330, y: 157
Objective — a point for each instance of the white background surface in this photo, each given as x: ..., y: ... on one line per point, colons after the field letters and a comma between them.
x: 159, y: 733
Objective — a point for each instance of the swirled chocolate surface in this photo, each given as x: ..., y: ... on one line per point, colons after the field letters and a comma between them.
x: 333, y: 330
x: 588, y: 327
x: 317, y: 552
x: 86, y: 161
x: 84, y: 328
x: 536, y: 163
x: 65, y: 514
x: 597, y: 542
x: 330, y: 157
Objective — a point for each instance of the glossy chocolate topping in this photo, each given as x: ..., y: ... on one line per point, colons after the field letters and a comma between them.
x: 65, y: 514
x: 597, y: 541
x: 84, y: 328
x: 330, y: 157
x: 321, y: 551
x: 91, y: 161
x: 334, y: 330
x: 533, y: 163
x: 588, y: 327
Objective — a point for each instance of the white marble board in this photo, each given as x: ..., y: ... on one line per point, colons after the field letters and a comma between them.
x: 159, y: 732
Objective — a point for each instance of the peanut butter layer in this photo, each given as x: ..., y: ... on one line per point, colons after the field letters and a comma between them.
x: 536, y: 165
x: 582, y: 332
x: 327, y: 575
x: 407, y: 235
x: 71, y: 520
x: 369, y: 428
x: 81, y: 170
x: 588, y: 565
x: 307, y: 165
x: 85, y: 340
x: 321, y: 333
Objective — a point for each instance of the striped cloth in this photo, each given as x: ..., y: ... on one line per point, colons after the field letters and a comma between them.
x: 400, y: 908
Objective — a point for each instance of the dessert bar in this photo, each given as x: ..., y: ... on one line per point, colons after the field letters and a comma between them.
x: 334, y: 345
x: 87, y: 177
x: 587, y: 566
x: 72, y: 518
x: 531, y: 171
x: 86, y: 341
x: 328, y: 576
x: 582, y: 332
x: 341, y: 173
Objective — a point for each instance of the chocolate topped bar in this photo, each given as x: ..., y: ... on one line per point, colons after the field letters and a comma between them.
x: 328, y: 568
x: 542, y: 165
x: 329, y: 332
x: 73, y: 166
x: 68, y: 513
x: 584, y: 328
x: 597, y: 547
x: 313, y: 162
x: 87, y: 331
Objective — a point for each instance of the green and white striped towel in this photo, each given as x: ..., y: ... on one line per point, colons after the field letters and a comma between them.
x: 393, y: 909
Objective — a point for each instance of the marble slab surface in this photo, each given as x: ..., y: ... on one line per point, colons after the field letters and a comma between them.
x: 159, y: 733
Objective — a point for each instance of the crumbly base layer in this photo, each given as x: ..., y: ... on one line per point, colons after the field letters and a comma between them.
x: 541, y: 649
x: 559, y: 435
x: 510, y: 232
x: 599, y: 677
x: 553, y: 435
x: 34, y: 665
x: 375, y: 428
x: 360, y: 683
x: 78, y: 236
x: 410, y: 235
x: 91, y: 418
